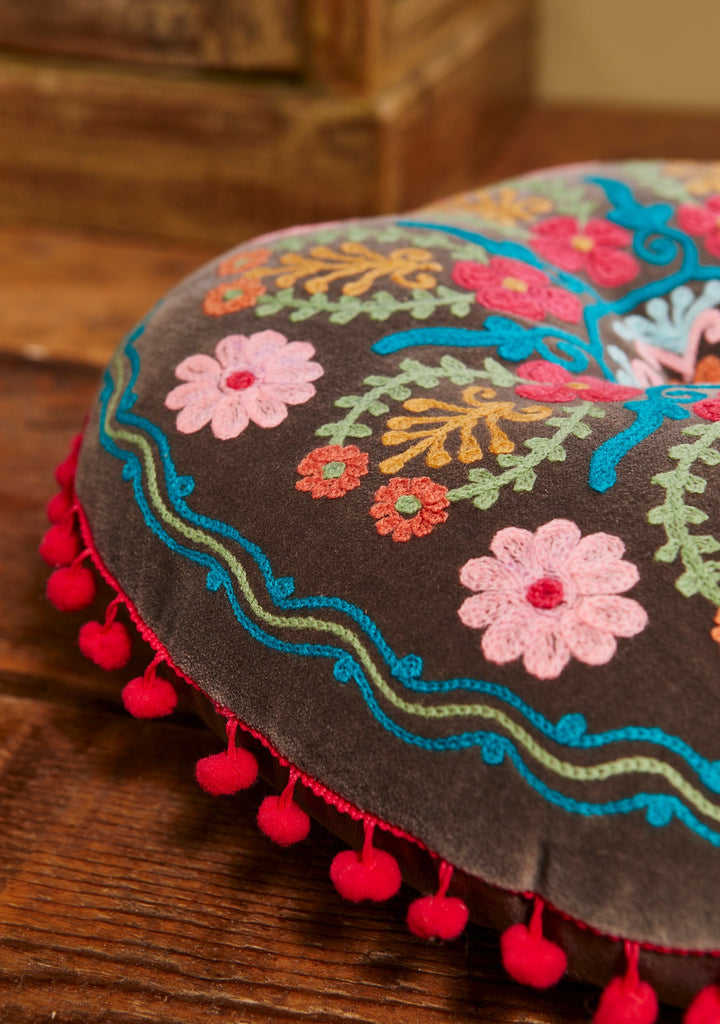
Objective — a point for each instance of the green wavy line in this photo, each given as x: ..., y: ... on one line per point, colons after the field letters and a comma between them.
x: 565, y: 769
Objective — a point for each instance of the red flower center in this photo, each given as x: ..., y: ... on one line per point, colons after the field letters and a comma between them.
x: 240, y: 380
x: 514, y: 284
x: 583, y: 243
x: 545, y: 593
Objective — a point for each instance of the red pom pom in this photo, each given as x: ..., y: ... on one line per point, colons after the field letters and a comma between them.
x: 530, y: 958
x: 437, y: 917
x: 149, y: 696
x: 705, y: 1008
x: 71, y: 588
x: 108, y: 645
x: 59, y: 506
x: 283, y: 821
x: 61, y: 544
x: 227, y: 772
x: 65, y: 472
x: 374, y: 875
x: 627, y: 1003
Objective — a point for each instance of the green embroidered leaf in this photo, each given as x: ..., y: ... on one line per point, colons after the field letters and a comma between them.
x: 707, y: 545
x: 558, y: 454
x: 377, y: 382
x: 347, y: 401
x: 710, y: 456
x: 656, y: 516
x: 687, y: 584
x: 694, y: 515
x: 377, y: 408
x: 582, y: 430
x: 358, y: 430
x: 326, y: 430
x: 695, y: 484
x: 458, y: 373
x: 669, y: 551
x: 525, y: 481
x: 399, y: 393
x: 486, y: 499
x: 507, y: 461
x: 499, y: 375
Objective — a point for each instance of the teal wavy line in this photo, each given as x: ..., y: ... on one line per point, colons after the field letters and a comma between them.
x: 570, y: 730
x: 659, y: 808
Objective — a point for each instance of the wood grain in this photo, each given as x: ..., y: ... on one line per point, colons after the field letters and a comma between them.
x: 239, y: 34
x: 216, y: 158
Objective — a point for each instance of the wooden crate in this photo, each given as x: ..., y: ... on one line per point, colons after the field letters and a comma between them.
x: 184, y: 119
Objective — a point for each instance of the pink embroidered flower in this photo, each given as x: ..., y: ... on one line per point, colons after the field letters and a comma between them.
x: 708, y: 408
x: 409, y: 508
x: 595, y: 248
x: 556, y: 384
x: 703, y: 222
x: 516, y: 288
x: 550, y: 596
x: 251, y: 378
x: 332, y: 471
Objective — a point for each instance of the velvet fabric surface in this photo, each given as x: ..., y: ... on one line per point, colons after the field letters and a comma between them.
x: 429, y: 502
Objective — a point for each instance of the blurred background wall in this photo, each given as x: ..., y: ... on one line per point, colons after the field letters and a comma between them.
x: 660, y: 54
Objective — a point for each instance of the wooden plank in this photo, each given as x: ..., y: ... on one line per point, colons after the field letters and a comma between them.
x: 92, y: 289
x: 238, y: 34
x: 367, y: 45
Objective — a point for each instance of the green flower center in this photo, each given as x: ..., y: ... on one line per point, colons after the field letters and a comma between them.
x: 332, y: 470
x: 408, y: 505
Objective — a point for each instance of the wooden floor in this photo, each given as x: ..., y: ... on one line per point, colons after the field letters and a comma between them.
x: 127, y: 896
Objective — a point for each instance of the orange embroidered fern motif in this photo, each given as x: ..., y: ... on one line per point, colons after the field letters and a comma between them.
x: 434, y: 431
x: 322, y: 265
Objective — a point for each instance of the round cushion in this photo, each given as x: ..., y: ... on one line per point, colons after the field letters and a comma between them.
x: 426, y: 506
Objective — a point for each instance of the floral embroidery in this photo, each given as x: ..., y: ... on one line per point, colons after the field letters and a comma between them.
x: 715, y: 632
x: 594, y: 247
x: 553, y: 383
x: 332, y: 471
x: 242, y: 262
x: 434, y: 430
x: 550, y: 596
x: 251, y: 378
x: 515, y: 287
x: 700, y: 179
x: 231, y: 296
x: 409, y: 508
x: 703, y: 222
x: 506, y: 209
x: 709, y: 409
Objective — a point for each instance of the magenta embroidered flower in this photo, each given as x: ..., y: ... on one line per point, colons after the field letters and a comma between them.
x: 514, y: 287
x: 550, y: 596
x: 554, y: 383
x: 708, y: 408
x: 251, y: 378
x: 595, y: 247
x: 703, y: 222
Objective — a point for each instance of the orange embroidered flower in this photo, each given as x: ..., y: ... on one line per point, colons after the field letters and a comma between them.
x: 243, y: 261
x: 409, y: 507
x: 231, y: 296
x: 715, y: 633
x: 332, y: 471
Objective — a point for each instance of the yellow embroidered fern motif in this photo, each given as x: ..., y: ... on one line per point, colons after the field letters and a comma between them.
x: 322, y: 265
x: 434, y: 431
x: 699, y: 179
x: 506, y: 209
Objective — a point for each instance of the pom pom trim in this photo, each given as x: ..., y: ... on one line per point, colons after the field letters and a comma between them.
x: 317, y: 788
